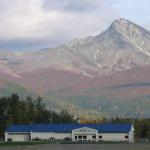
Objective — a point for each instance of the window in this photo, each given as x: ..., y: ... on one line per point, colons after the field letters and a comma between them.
x: 126, y: 136
x: 29, y: 137
x: 75, y: 137
x: 79, y: 137
x: 100, y: 137
x: 84, y: 138
x: 94, y: 137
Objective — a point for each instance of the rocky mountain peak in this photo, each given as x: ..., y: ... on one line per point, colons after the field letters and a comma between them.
x: 129, y: 28
x: 122, y: 21
x: 122, y: 25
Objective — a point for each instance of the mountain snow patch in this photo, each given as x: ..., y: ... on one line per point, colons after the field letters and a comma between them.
x: 95, y: 55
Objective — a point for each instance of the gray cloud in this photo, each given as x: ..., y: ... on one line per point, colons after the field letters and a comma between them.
x: 27, y: 44
x: 31, y: 24
x: 72, y: 6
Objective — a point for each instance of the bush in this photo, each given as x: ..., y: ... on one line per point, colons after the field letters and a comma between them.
x: 67, y: 139
x: 9, y: 140
x: 36, y: 139
x: 51, y: 139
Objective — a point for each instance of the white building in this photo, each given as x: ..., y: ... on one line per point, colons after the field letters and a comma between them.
x: 75, y: 132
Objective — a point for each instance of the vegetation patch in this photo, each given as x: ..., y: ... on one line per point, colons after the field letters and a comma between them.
x: 23, y: 143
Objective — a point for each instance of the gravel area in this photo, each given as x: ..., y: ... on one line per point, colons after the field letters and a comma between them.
x: 80, y: 147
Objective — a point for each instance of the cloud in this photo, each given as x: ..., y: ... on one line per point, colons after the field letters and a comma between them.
x: 72, y: 6
x: 34, y: 24
x: 136, y: 10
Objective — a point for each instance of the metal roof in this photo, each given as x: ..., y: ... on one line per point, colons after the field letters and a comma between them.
x: 19, y: 128
x: 67, y: 128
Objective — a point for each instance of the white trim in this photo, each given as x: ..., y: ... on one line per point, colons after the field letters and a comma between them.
x: 17, y: 132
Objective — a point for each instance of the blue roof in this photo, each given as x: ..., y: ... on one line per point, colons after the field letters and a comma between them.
x: 19, y: 128
x: 67, y: 128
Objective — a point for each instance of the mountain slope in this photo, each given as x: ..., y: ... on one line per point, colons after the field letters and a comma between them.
x: 121, y: 47
x: 121, y: 94
x: 117, y: 49
x: 109, y: 68
x: 8, y: 87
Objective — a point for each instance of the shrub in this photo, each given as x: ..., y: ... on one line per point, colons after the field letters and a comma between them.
x: 9, y: 140
x: 36, y: 139
x: 67, y: 139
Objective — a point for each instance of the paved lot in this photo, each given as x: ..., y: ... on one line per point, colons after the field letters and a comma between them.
x: 80, y: 147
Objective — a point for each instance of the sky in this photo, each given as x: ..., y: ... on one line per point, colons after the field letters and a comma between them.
x: 38, y: 24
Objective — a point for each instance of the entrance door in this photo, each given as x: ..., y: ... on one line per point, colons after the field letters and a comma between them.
x: 81, y: 138
x: 84, y: 134
x: 94, y: 137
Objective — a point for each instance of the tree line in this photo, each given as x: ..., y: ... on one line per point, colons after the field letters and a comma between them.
x: 14, y: 110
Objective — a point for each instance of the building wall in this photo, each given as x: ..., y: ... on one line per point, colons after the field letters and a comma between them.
x: 131, y: 135
x: 60, y: 136
x: 77, y: 132
x: 48, y: 135
x: 88, y: 137
x: 6, y: 136
x: 18, y: 137
x: 113, y: 137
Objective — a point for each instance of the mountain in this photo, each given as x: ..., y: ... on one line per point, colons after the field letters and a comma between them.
x: 89, y: 74
x: 123, y: 46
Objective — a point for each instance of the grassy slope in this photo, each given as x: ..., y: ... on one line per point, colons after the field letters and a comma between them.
x: 53, y: 102
x: 75, y: 109
x: 10, y: 88
x: 122, y: 94
x: 112, y: 106
x: 87, y: 104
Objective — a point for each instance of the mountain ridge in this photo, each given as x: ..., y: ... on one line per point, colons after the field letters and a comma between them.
x: 120, y: 55
x: 101, y: 53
